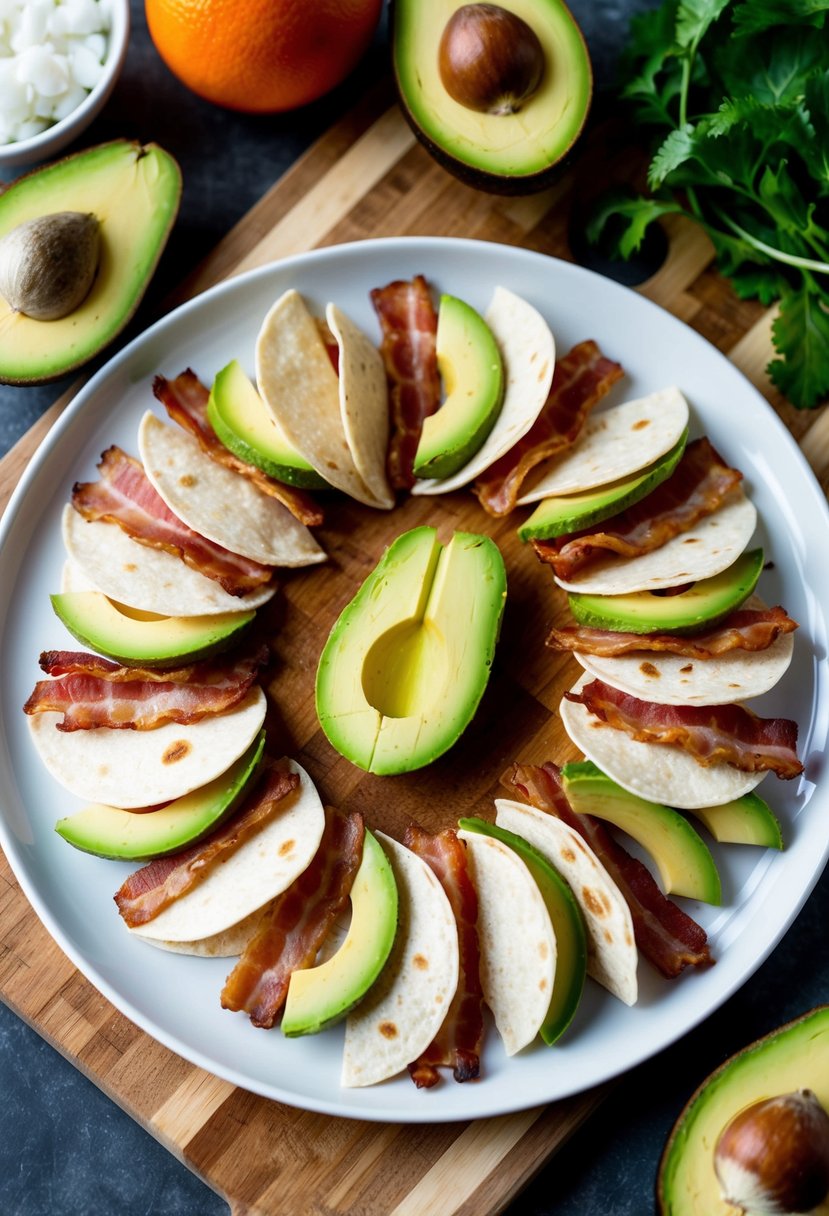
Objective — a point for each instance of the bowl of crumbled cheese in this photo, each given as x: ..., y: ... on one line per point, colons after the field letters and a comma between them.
x: 59, y: 61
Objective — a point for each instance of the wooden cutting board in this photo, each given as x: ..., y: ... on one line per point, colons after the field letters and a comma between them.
x: 366, y: 177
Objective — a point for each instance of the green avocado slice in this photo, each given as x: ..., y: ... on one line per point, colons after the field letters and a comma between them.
x: 568, y: 926
x: 684, y: 861
x: 795, y: 1056
x: 472, y: 369
x: 704, y: 603
x: 746, y: 820
x: 319, y: 996
x: 142, y: 835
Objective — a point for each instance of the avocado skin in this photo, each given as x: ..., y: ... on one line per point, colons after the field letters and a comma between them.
x: 768, y: 1066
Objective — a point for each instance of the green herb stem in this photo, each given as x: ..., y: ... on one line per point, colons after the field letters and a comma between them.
x: 779, y: 255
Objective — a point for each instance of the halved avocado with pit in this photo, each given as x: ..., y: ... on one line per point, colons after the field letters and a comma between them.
x: 133, y: 191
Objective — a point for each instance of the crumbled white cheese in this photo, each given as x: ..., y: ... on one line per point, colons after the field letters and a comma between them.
x: 51, y: 56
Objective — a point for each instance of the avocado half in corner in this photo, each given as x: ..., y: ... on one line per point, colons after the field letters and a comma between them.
x: 133, y: 191
x: 524, y: 78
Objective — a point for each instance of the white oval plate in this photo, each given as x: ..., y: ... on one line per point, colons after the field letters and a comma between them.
x: 175, y: 998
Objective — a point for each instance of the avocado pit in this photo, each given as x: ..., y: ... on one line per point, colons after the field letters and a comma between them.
x: 48, y: 264
x: 490, y: 59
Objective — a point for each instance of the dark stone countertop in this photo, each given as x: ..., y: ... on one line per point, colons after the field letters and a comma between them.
x: 65, y: 1148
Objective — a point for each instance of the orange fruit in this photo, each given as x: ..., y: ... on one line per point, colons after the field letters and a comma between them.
x: 261, y: 56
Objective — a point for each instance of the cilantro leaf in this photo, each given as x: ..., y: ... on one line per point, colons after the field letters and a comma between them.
x: 623, y: 221
x: 754, y: 16
x: 771, y: 68
x: 676, y: 149
x: 694, y: 17
x: 801, y: 336
x: 816, y: 151
x: 758, y: 283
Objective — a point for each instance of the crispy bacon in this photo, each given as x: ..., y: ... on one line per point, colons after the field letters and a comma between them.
x: 749, y: 629
x: 698, y: 486
x: 155, y: 886
x: 581, y: 378
x: 409, y: 323
x: 185, y: 400
x: 457, y: 1044
x: 93, y: 692
x: 666, y: 936
x: 298, y: 924
x: 125, y: 496
x: 712, y: 734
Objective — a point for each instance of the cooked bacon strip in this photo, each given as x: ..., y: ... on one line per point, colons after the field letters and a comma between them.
x: 749, y: 629
x: 410, y: 325
x: 698, y: 486
x: 93, y: 692
x: 185, y: 400
x: 125, y: 496
x: 581, y: 378
x: 457, y: 1044
x: 298, y: 924
x: 712, y: 734
x: 666, y: 936
x: 157, y: 885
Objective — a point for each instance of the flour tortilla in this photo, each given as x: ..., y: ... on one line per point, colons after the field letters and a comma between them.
x: 228, y: 943
x: 145, y: 578
x: 403, y: 1011
x: 518, y: 951
x: 612, y: 957
x: 657, y: 772
x: 529, y: 352
x: 220, y: 504
x: 711, y: 547
x: 139, y: 768
x: 240, y: 887
x: 673, y: 679
x: 615, y: 443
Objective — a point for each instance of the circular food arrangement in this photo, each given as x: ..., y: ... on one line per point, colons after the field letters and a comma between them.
x: 330, y: 588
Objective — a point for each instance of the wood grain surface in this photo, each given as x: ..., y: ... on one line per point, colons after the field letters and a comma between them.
x: 367, y: 177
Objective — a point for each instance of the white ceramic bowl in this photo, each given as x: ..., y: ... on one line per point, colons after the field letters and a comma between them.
x: 49, y: 142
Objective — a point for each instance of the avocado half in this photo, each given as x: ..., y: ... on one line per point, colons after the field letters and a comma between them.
x: 133, y: 191
x: 505, y: 153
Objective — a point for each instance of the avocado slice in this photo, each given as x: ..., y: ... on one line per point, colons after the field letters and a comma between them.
x: 795, y: 1056
x: 472, y: 370
x: 508, y: 153
x: 568, y: 926
x: 746, y: 820
x: 407, y: 662
x: 561, y: 515
x: 142, y: 835
x: 133, y: 191
x: 238, y: 416
x: 142, y: 638
x: 321, y: 995
x: 704, y: 603
x: 684, y: 861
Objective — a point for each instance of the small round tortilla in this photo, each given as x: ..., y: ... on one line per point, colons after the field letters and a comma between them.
x: 403, y: 1011
x: 529, y: 352
x: 657, y: 772
x: 364, y: 404
x: 239, y: 887
x: 220, y: 504
x: 616, y: 443
x: 144, y: 578
x: 139, y: 768
x: 228, y: 943
x: 673, y: 679
x: 518, y: 952
x: 612, y: 957
x: 708, y: 549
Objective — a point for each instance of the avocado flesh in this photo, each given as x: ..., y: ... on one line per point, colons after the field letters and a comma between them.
x: 746, y: 820
x: 795, y: 1056
x: 407, y: 662
x: 246, y: 428
x: 505, y: 153
x: 704, y: 604
x: 321, y: 995
x: 472, y: 370
x: 144, y: 640
x: 561, y: 515
x: 134, y: 192
x: 142, y: 835
x: 685, y: 864
x: 568, y: 927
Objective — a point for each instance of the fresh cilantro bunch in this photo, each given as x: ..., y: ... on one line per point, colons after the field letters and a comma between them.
x: 738, y: 95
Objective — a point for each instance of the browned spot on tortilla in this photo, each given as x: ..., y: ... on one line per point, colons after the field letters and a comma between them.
x: 596, y: 901
x: 577, y: 844
x: 130, y: 567
x: 388, y: 1030
x: 691, y: 540
x: 286, y: 847
x: 641, y: 424
x: 628, y: 938
x: 176, y: 751
x: 648, y: 669
x: 187, y: 480
x: 103, y: 770
x: 543, y: 949
x: 542, y: 985
x: 688, y: 667
x: 420, y: 962
x: 568, y: 855
x: 608, y: 937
